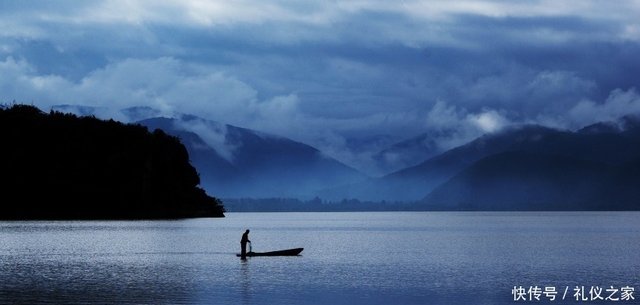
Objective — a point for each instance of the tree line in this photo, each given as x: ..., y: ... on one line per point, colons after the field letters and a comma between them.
x: 60, y: 166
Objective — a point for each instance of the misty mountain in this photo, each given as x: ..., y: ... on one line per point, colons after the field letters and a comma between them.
x: 596, y: 143
x: 524, y: 181
x: 626, y: 126
x: 139, y: 113
x: 239, y: 162
x: 520, y: 167
x: 415, y: 182
x: 407, y: 153
x: 531, y: 181
x: 128, y: 115
x: 79, y: 110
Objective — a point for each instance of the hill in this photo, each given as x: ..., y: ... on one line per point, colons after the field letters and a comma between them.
x: 60, y: 166
x: 597, y: 143
x: 237, y: 162
x: 528, y: 181
x: 409, y: 152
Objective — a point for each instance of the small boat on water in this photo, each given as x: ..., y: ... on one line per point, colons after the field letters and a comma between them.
x: 288, y: 252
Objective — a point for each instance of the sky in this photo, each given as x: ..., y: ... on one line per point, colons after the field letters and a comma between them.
x: 348, y: 77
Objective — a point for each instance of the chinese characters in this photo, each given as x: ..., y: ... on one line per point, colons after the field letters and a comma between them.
x: 576, y: 293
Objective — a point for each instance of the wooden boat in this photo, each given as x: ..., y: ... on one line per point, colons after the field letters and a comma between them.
x: 288, y: 252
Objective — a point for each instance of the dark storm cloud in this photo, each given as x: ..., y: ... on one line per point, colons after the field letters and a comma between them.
x: 331, y: 73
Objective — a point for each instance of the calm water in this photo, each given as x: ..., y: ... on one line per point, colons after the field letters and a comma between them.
x: 349, y: 258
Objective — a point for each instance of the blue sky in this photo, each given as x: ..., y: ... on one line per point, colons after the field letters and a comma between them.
x: 332, y: 73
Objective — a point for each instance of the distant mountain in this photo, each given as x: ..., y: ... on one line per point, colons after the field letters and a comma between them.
x: 530, y: 181
x: 593, y: 143
x: 79, y: 110
x: 527, y: 181
x: 415, y: 182
x: 139, y: 113
x: 127, y: 115
x: 627, y: 126
x: 369, y: 143
x: 520, y: 167
x: 407, y: 153
x: 239, y: 162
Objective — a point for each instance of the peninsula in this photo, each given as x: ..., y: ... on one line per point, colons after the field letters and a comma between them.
x: 61, y: 166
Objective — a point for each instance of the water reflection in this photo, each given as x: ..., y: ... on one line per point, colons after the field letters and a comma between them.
x: 245, y: 285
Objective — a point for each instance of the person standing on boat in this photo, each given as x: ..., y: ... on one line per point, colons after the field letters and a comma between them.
x: 243, y: 244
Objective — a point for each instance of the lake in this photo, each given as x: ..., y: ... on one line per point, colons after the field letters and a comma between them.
x: 349, y: 258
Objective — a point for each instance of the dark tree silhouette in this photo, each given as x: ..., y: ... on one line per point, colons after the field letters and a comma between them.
x: 60, y: 166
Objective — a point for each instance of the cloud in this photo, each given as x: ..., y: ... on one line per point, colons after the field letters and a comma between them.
x: 164, y: 84
x: 174, y: 86
x: 330, y: 74
x: 528, y: 91
x: 488, y: 121
x: 443, y: 116
x: 214, y: 134
x: 415, y: 23
x: 20, y: 81
x: 456, y: 125
x: 618, y: 104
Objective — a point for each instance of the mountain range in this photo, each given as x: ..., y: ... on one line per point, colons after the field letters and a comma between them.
x: 595, y: 168
x: 521, y: 167
x: 517, y: 168
x: 235, y: 162
x: 239, y: 162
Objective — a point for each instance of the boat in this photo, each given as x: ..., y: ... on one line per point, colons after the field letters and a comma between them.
x: 287, y: 252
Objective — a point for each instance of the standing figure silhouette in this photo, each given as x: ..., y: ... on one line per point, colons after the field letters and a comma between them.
x: 243, y: 244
